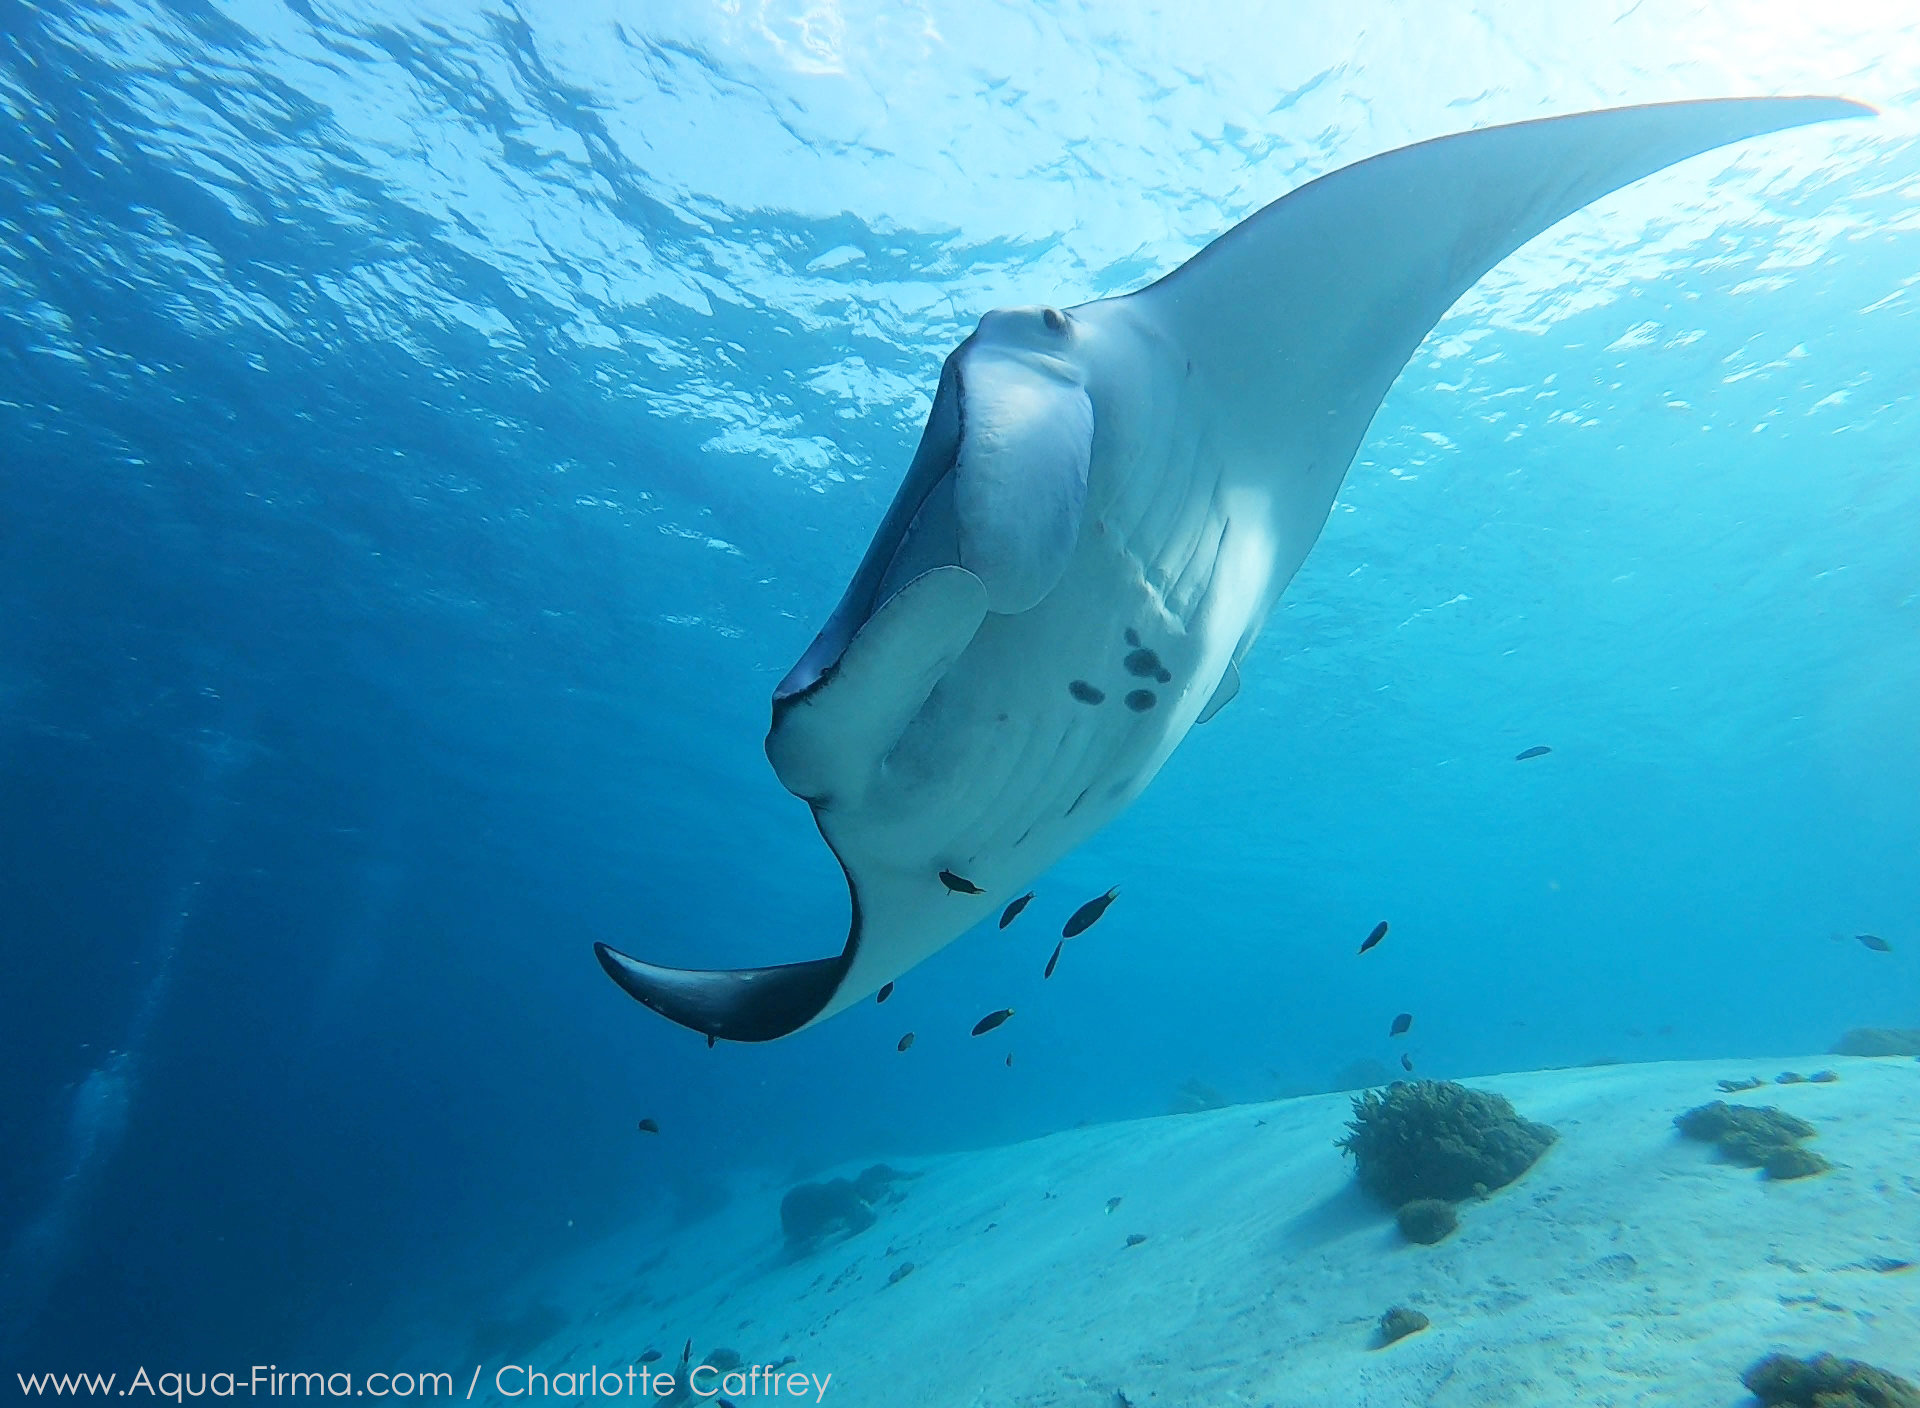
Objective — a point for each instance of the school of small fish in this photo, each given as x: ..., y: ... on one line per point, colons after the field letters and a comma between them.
x: 1090, y: 913
x: 1081, y: 920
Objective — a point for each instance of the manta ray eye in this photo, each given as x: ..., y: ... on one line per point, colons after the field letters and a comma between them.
x: 1055, y: 320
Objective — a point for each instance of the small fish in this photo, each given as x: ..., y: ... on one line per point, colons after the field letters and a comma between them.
x: 1379, y: 933
x: 649, y: 1356
x: 886, y: 991
x: 1537, y: 751
x: 1055, y: 959
x: 1134, y: 1239
x: 1875, y: 942
x: 1401, y: 1024
x: 905, y: 1042
x: 1406, y: 1062
x: 991, y: 1020
x: 1012, y: 911
x: 649, y: 1126
x: 1112, y: 1203
x: 1009, y: 1060
x: 1085, y: 917
x: 959, y: 885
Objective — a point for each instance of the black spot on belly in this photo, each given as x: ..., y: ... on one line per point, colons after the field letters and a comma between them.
x: 1166, y: 676
x: 1143, y: 663
x: 1141, y: 700
x: 1085, y: 692
x: 1133, y: 636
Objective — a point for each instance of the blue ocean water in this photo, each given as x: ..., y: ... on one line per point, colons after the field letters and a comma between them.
x: 431, y: 430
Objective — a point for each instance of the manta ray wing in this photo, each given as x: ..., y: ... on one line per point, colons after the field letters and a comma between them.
x: 1104, y: 507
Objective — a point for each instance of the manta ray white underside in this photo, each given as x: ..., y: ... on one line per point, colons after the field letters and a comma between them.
x: 1106, y: 503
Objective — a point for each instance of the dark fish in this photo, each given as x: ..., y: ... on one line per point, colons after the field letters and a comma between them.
x: 991, y: 1020
x: 649, y: 1356
x: 905, y: 1042
x: 1875, y: 942
x: 1009, y: 1060
x: 1134, y: 1239
x: 649, y: 1126
x: 1401, y: 1024
x: 959, y: 885
x: 1055, y: 959
x: 1379, y: 933
x: 886, y: 991
x: 1012, y: 911
x: 1537, y: 751
x: 1406, y: 1062
x: 1085, y: 917
x: 1112, y: 1203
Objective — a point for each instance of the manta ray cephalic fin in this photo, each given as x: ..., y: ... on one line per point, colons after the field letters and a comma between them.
x: 823, y: 742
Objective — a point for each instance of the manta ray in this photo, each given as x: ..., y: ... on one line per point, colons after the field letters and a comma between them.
x: 1106, y: 503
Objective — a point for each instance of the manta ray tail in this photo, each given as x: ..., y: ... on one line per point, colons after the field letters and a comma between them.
x: 739, y: 1004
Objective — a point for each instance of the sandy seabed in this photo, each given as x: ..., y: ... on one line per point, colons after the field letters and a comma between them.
x: 1628, y: 1267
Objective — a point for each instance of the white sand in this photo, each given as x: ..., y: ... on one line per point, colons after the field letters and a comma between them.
x: 1630, y: 1266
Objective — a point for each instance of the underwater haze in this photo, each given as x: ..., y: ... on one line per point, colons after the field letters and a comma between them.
x: 429, y: 432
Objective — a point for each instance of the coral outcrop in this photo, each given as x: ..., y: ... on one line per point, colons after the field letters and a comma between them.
x: 1823, y: 1381
x: 814, y: 1212
x: 1438, y: 1139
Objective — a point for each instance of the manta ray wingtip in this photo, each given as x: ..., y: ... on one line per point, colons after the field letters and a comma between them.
x: 736, y: 1004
